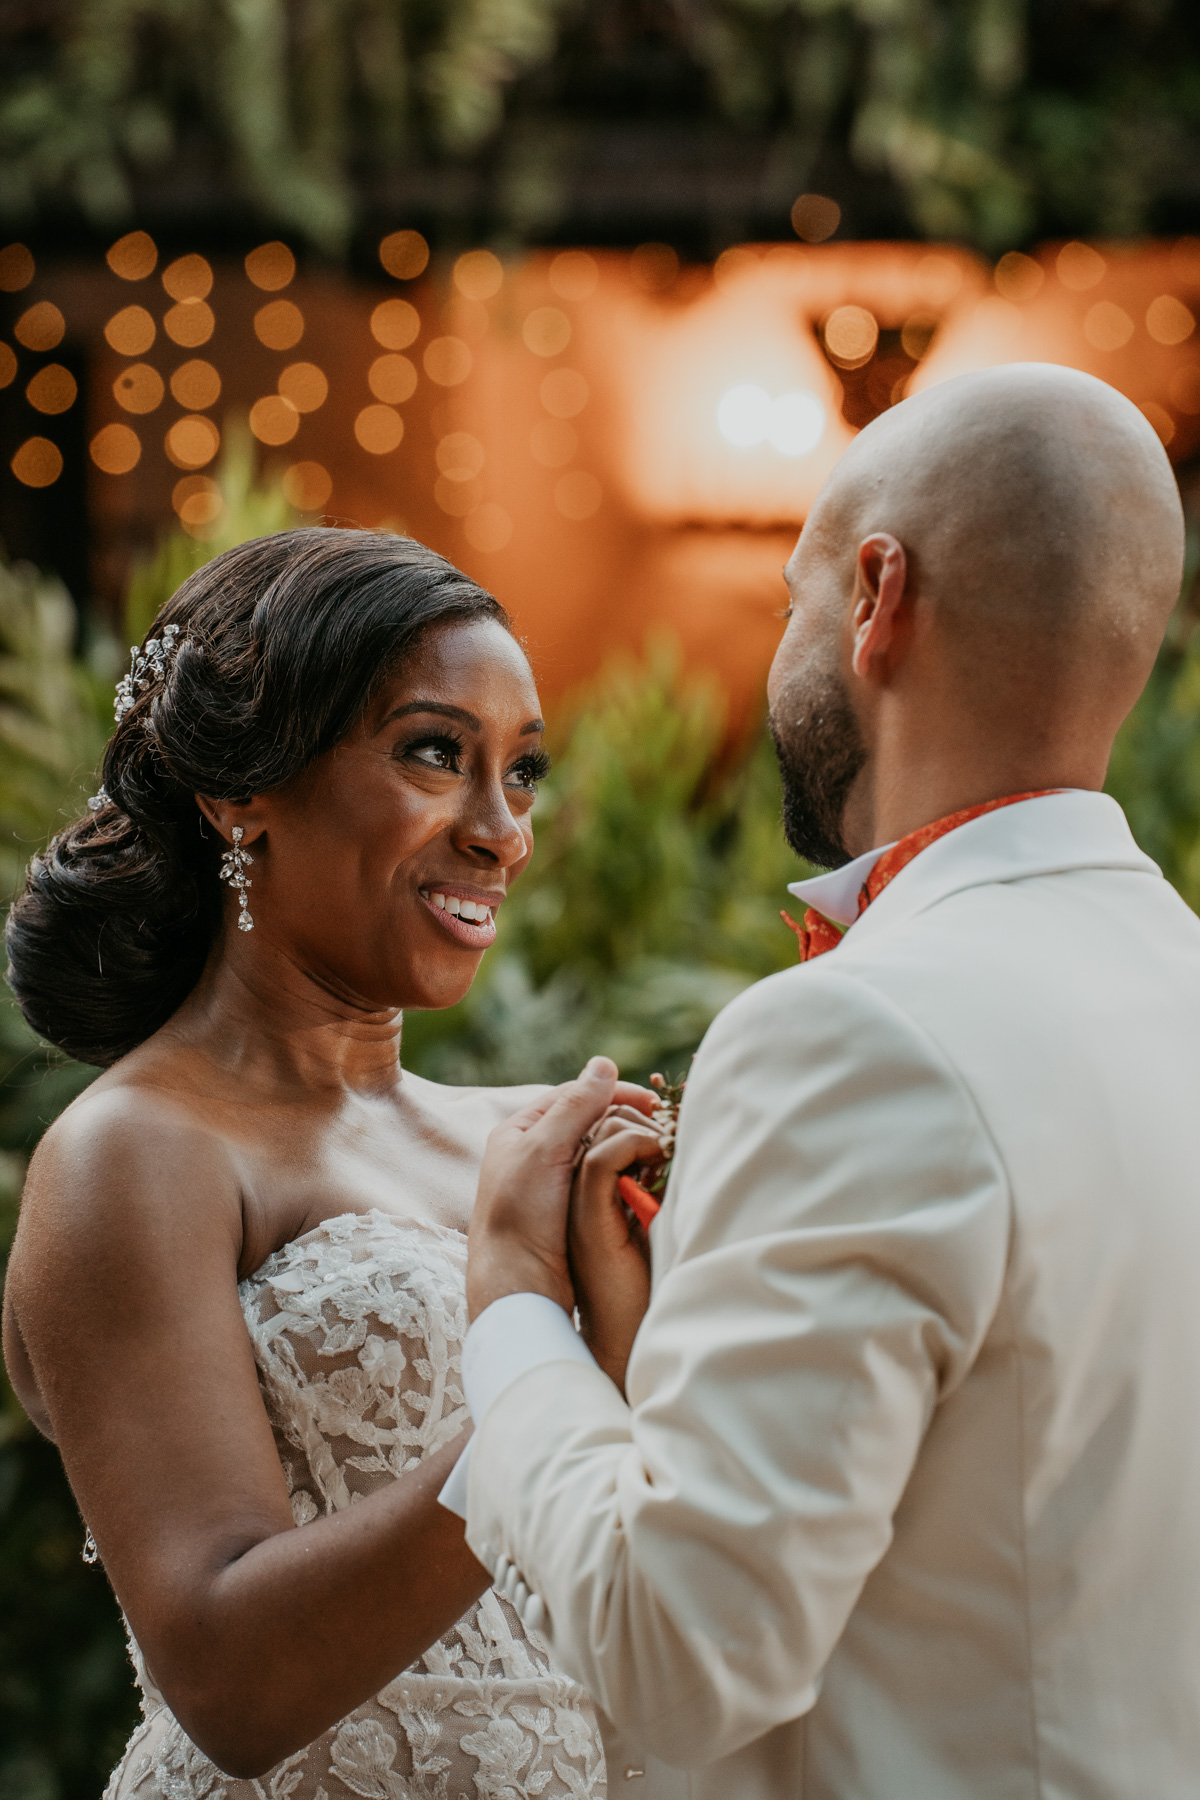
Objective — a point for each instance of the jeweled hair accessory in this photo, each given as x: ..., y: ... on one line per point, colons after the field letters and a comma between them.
x: 145, y: 668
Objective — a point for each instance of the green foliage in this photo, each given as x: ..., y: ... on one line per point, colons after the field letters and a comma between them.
x: 293, y: 95
x: 992, y: 119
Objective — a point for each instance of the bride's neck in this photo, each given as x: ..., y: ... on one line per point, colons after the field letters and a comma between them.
x: 273, y: 1021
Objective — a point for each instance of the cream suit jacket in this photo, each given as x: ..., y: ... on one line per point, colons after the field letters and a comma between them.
x: 905, y: 1504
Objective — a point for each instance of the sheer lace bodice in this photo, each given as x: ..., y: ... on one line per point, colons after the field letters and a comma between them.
x: 357, y: 1330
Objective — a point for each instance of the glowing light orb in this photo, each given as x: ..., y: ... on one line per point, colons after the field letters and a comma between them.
x: 744, y: 414
x: 793, y: 424
x: 797, y: 423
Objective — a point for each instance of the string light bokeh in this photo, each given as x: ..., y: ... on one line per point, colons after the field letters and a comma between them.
x: 609, y: 440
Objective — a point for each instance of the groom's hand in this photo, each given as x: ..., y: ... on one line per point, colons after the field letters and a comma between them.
x: 518, y: 1235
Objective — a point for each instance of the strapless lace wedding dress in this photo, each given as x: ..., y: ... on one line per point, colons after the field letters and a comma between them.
x: 357, y: 1330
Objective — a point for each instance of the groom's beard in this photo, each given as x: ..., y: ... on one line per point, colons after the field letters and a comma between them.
x: 820, y: 754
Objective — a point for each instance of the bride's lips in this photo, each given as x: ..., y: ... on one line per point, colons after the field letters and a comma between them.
x: 445, y: 903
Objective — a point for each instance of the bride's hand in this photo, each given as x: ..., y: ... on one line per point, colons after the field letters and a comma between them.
x: 518, y: 1234
x: 609, y: 1252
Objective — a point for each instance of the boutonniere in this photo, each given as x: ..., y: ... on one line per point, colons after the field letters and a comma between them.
x: 642, y: 1187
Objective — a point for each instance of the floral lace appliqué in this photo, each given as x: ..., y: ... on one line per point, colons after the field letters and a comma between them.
x: 357, y: 1331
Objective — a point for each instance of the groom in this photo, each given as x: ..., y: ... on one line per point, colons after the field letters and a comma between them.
x: 901, y: 1499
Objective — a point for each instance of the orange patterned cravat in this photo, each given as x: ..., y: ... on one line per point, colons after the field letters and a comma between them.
x: 818, y: 934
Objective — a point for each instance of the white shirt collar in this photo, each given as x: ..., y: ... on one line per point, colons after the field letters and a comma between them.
x: 835, y: 894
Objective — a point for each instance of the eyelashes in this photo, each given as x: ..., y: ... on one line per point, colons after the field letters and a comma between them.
x: 532, y: 768
x: 444, y: 750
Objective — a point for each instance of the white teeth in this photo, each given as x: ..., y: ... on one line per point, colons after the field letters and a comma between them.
x: 473, y: 910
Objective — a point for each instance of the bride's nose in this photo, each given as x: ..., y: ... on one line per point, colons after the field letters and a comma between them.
x: 487, y: 828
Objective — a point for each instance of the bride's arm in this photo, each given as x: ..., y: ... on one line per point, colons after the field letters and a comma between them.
x: 123, y: 1290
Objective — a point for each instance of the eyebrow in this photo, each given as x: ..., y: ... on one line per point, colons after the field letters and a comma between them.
x: 446, y: 711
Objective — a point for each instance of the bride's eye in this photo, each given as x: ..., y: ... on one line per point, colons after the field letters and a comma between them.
x: 442, y: 751
x: 531, y: 769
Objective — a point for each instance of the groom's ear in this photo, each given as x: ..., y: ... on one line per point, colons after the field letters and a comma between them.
x: 879, y: 616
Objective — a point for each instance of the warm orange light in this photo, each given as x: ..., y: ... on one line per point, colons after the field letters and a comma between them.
x: 733, y: 263
x: 133, y: 256
x: 851, y: 334
x: 37, y: 463
x: 1107, y: 327
x: 395, y: 324
x: 271, y: 266
x: 554, y: 443
x: 447, y: 361
x: 1169, y: 321
x: 653, y: 267
x: 279, y: 324
x: 1080, y: 267
x: 392, y: 378
x: 8, y: 365
x: 52, y: 389
x: 116, y: 449
x: 1018, y: 277
x: 304, y: 385
x: 404, y: 254
x: 916, y: 334
x: 937, y: 279
x: 815, y: 217
x: 196, y: 384
x: 40, y: 327
x: 1184, y: 390
x: 307, y: 486
x: 192, y: 441
x: 188, y: 278
x: 546, y: 331
x: 457, y: 498
x: 190, y: 324
x: 16, y: 269
x: 274, y: 420
x: 1160, y: 418
x: 564, y: 392
x: 139, y: 388
x: 131, y: 331
x: 573, y: 275
x: 459, y: 456
x: 379, y: 429
x: 577, y: 495
x: 198, y: 501
x: 488, y: 527
x: 479, y: 274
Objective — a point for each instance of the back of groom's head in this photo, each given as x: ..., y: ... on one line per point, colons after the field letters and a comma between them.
x: 983, y: 582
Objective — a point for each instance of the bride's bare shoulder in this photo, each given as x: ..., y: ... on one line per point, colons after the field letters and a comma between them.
x: 127, y: 1153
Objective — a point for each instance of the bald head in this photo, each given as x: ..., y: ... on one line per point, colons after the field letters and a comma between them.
x: 1030, y: 499
x: 1037, y: 531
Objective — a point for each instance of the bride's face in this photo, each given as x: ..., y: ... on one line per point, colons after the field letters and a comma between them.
x: 382, y: 866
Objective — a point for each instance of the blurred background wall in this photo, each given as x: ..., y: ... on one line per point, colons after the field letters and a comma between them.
x: 589, y: 295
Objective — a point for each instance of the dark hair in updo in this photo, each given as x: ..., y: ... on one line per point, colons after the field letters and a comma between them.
x: 282, y: 642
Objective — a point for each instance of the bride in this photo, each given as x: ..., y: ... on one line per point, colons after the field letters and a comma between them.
x: 236, y: 1296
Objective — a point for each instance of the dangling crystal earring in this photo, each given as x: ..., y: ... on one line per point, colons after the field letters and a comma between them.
x: 233, y: 870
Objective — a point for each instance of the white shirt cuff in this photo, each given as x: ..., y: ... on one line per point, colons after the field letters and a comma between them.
x: 516, y: 1333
